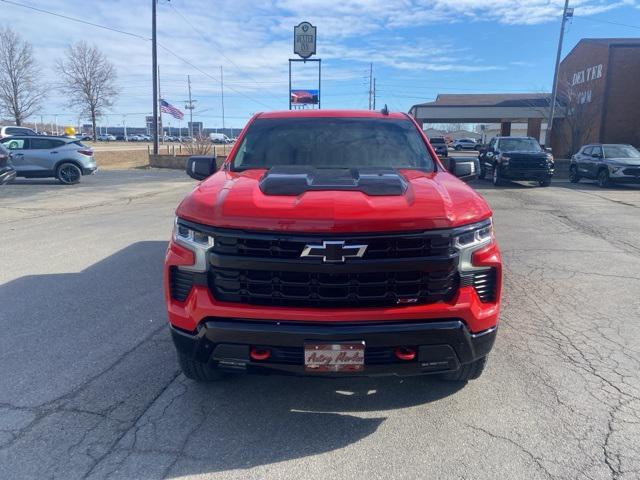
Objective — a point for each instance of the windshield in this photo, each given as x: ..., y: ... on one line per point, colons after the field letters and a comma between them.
x: 437, y: 140
x: 620, y: 151
x: 332, y: 143
x: 519, y: 145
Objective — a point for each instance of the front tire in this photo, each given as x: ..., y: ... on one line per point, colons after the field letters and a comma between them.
x: 483, y: 171
x: 574, y: 176
x: 68, y: 173
x: 603, y: 179
x: 198, y: 371
x: 458, y: 148
x: 496, y: 177
x: 470, y: 371
x: 545, y: 183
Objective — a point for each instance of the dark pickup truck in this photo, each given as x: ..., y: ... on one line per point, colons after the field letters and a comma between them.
x: 439, y: 144
x: 516, y: 158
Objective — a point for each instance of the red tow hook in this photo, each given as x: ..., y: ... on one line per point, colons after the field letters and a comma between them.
x: 405, y: 353
x: 259, y: 354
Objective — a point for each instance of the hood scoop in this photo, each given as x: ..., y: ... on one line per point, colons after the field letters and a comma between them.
x: 293, y: 180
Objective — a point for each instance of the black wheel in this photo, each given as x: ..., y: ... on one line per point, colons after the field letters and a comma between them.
x: 458, y: 148
x: 69, y: 173
x: 574, y: 176
x: 198, y: 371
x: 496, y: 177
x: 545, y: 183
x: 467, y: 372
x: 483, y: 171
x: 603, y: 178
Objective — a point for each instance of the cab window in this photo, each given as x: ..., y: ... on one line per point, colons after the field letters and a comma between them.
x: 15, y: 143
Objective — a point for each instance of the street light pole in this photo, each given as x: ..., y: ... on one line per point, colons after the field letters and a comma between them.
x: 566, y: 13
x: 154, y: 67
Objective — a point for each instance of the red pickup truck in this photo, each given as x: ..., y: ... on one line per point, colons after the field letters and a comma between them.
x: 333, y: 243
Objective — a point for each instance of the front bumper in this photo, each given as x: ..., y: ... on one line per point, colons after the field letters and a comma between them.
x: 441, y: 346
x: 525, y: 174
x: 7, y: 174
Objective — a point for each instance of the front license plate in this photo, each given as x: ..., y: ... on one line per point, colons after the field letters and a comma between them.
x: 334, y: 357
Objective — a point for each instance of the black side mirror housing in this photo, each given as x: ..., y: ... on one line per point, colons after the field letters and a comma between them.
x: 465, y: 168
x: 201, y: 167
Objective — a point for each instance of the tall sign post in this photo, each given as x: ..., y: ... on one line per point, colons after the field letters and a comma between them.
x: 304, y: 45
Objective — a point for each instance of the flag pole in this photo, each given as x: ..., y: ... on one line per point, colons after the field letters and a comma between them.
x: 159, y: 128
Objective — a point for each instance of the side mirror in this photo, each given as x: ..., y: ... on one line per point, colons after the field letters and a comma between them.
x: 200, y: 167
x: 466, y: 169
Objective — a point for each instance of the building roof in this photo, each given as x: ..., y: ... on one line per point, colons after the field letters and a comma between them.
x: 488, y: 100
x: 606, y: 42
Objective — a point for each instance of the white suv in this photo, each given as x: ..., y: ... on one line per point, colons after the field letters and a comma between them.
x: 12, y: 130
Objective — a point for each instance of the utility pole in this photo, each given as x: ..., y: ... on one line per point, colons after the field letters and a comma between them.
x: 566, y: 13
x: 374, y: 93
x: 124, y: 124
x: 222, y: 95
x: 189, y: 106
x: 370, y: 85
x: 154, y: 68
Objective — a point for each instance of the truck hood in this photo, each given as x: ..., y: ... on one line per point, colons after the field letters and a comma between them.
x: 431, y: 200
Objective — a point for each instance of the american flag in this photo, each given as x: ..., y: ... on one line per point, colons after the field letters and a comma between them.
x: 166, y: 107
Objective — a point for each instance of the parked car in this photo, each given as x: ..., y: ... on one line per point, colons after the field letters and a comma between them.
x: 516, y: 158
x: 440, y: 146
x: 66, y: 159
x: 9, y: 131
x: 356, y: 255
x: 84, y: 137
x: 465, y: 144
x: 606, y: 163
x: 106, y: 137
x: 7, y: 172
x: 134, y: 138
x: 219, y: 138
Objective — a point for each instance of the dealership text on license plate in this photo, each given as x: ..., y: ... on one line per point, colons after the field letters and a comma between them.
x: 334, y: 357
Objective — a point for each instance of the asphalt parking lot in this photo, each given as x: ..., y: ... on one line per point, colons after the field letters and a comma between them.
x: 90, y: 388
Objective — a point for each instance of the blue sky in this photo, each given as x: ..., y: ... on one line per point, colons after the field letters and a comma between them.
x: 419, y: 48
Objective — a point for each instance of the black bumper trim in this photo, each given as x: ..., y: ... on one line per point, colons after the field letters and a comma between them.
x: 442, y: 345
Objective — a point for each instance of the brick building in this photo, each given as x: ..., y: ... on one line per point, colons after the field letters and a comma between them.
x: 599, y: 87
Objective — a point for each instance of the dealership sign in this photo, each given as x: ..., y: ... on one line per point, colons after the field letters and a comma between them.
x: 304, y: 40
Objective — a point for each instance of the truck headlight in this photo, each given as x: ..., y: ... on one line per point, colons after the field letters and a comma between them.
x: 477, y: 237
x: 198, y: 242
x: 615, y: 168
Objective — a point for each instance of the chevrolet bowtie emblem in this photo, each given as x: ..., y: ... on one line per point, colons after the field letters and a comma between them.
x: 334, y: 251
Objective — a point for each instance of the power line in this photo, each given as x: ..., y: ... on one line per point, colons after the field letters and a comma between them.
x: 591, y: 19
x: 78, y: 20
x: 73, y: 19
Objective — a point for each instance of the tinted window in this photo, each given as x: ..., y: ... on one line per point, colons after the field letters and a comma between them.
x: 333, y: 143
x: 41, y: 144
x: 437, y: 140
x: 14, y: 143
x: 596, y: 151
x: 19, y: 131
x: 620, y: 151
x: 587, y: 150
x: 519, y: 145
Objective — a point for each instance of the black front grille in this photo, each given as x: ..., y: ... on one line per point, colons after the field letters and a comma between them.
x: 180, y: 283
x: 379, y: 246
x: 484, y: 282
x: 528, y: 163
x: 285, y: 288
x: 634, y: 171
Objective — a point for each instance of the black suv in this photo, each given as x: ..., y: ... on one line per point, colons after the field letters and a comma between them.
x: 7, y: 172
x: 440, y: 146
x: 516, y: 158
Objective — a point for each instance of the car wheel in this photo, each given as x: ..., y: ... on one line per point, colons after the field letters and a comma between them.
x: 574, y: 176
x: 603, y: 178
x: 496, y: 177
x: 545, y: 183
x: 467, y: 372
x: 483, y: 171
x: 69, y: 173
x: 199, y: 371
x: 458, y: 148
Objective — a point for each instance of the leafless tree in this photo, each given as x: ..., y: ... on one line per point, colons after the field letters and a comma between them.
x: 578, y: 126
x: 21, y: 93
x: 89, y: 78
x: 201, y: 145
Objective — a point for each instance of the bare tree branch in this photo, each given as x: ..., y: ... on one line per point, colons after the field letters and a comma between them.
x: 21, y: 93
x: 89, y: 78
